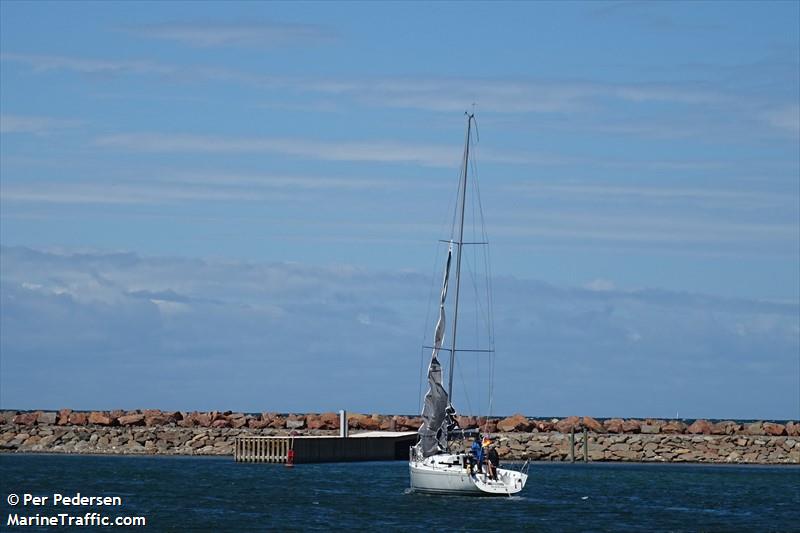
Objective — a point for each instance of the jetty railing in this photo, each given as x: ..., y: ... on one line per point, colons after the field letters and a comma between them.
x: 262, y: 449
x: 288, y: 449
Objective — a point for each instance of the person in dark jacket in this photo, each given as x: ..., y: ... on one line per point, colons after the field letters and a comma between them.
x: 477, y: 453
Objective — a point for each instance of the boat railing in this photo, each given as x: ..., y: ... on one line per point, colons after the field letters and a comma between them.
x: 525, y: 466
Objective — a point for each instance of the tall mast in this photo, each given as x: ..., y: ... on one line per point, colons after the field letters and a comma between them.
x: 460, y: 242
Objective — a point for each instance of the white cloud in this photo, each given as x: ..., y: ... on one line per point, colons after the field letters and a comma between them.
x: 442, y: 94
x: 244, y: 34
x: 127, y: 193
x: 634, y: 336
x: 44, y: 63
x: 35, y: 125
x: 786, y: 118
x: 601, y: 285
x: 159, y: 187
x: 375, y: 151
x: 167, y: 307
x: 677, y: 195
x: 657, y: 229
x: 446, y: 94
x: 379, y: 151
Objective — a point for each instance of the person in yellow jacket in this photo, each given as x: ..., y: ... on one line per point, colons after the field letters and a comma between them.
x: 492, y: 458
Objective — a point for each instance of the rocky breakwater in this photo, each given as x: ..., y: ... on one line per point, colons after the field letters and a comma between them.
x: 649, y: 440
x: 213, y: 433
x: 167, y: 433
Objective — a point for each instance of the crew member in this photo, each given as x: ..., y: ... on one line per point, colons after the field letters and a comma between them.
x: 477, y: 453
x: 493, y: 463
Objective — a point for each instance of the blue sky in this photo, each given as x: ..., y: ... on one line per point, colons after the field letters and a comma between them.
x: 236, y: 205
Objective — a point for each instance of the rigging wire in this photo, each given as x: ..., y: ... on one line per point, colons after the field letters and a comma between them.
x: 465, y: 389
x: 488, y: 271
x: 489, y: 298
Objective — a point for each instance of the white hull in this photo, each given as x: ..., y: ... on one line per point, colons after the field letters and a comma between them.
x: 446, y: 474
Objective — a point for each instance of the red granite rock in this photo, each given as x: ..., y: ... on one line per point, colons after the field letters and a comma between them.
x: 187, y: 421
x: 46, y: 418
x: 613, y: 425
x: 220, y: 423
x: 155, y: 420
x: 295, y: 421
x: 257, y: 423
x: 277, y: 422
x: 100, y: 418
x: 329, y: 421
x: 565, y: 425
x: 544, y: 426
x: 726, y: 427
x: 354, y: 420
x: 773, y: 429
x: 25, y: 419
x: 237, y: 420
x: 593, y: 425
x: 651, y: 426
x: 388, y: 423
x: 631, y: 426
x: 756, y: 428
x: 372, y: 423
x: 313, y: 421
x: 131, y: 420
x: 674, y: 427
x: 407, y: 423
x: 63, y: 417
x: 196, y: 419
x: 793, y: 429
x: 700, y: 426
x: 268, y: 417
x: 78, y: 419
x: 515, y: 423
x: 467, y: 422
x: 156, y: 417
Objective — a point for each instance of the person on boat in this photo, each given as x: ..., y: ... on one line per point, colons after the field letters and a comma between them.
x: 493, y: 462
x: 484, y: 450
x: 476, y: 454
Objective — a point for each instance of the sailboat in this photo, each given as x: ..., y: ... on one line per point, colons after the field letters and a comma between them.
x: 434, y: 463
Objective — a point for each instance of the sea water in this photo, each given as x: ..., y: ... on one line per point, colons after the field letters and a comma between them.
x: 217, y: 494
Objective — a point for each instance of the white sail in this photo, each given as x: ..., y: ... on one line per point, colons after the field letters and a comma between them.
x: 435, y: 419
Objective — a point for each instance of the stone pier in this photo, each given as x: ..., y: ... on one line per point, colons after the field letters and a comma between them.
x: 154, y: 432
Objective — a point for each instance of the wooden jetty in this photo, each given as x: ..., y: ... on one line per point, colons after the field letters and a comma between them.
x: 368, y: 446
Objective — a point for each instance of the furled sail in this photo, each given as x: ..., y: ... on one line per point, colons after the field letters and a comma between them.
x: 437, y: 413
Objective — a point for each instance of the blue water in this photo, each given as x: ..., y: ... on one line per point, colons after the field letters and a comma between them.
x: 216, y: 494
